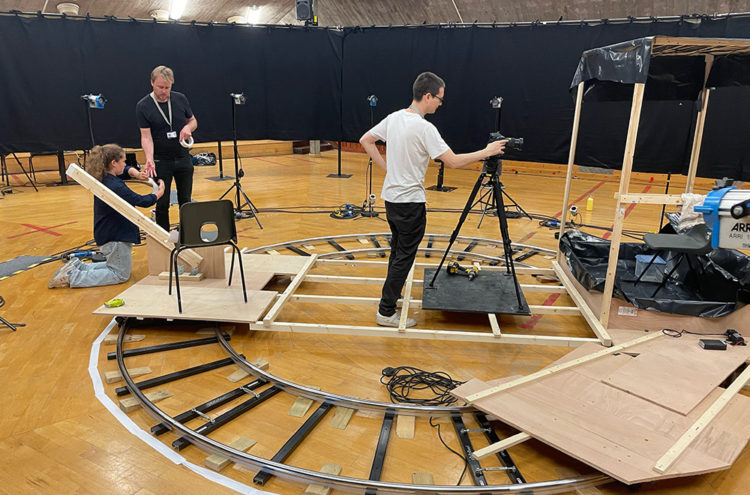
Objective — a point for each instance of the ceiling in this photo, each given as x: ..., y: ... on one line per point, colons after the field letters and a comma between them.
x: 397, y: 12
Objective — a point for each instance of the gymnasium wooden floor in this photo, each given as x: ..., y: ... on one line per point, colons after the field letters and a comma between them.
x: 56, y: 437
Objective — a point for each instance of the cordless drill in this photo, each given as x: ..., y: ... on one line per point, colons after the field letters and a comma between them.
x: 454, y: 268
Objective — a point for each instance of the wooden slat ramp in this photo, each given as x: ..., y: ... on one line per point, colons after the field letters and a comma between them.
x: 650, y: 410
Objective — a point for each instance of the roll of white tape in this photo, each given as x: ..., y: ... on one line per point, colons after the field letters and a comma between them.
x: 154, y: 185
x: 188, y: 143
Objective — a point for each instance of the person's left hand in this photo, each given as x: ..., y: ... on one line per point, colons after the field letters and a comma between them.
x: 185, y: 133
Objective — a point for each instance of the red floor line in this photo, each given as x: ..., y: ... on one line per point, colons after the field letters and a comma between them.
x: 40, y: 229
x: 629, y: 209
x: 581, y: 197
x: 535, y: 319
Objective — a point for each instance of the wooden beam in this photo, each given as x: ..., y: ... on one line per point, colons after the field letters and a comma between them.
x: 421, y: 333
x: 296, y: 281
x: 699, y: 125
x: 586, y: 311
x: 129, y: 211
x: 406, y: 299
x: 560, y: 367
x: 501, y: 445
x: 494, y: 325
x: 571, y: 159
x: 627, y: 168
x: 651, y: 199
x: 701, y: 423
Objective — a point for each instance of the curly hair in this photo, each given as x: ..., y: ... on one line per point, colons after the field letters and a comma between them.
x: 101, y: 157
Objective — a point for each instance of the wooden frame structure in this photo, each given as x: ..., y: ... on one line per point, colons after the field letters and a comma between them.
x: 709, y: 48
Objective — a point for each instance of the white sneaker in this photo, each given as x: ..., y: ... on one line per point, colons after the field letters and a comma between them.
x: 393, y: 320
x: 61, y: 278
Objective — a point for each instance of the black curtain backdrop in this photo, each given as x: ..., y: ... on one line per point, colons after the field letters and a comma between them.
x: 313, y: 83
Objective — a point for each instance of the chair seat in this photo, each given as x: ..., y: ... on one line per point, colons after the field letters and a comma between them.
x: 694, y: 242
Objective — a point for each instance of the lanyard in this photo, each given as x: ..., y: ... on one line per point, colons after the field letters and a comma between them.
x: 169, y: 105
x: 410, y: 106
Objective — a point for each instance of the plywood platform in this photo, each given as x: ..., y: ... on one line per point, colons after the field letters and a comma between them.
x: 149, y: 298
x: 579, y: 412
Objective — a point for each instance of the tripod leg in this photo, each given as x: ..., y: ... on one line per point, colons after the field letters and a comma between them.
x: 250, y: 204
x: 461, y: 220
x: 524, y: 212
x: 507, y: 246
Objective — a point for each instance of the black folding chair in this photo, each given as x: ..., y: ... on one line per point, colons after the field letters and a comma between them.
x: 204, y: 224
x: 696, y: 241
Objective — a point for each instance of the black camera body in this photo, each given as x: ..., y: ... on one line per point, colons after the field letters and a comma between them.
x: 513, y: 144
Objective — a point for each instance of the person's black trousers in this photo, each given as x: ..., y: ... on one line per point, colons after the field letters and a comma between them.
x: 181, y: 170
x: 407, y: 222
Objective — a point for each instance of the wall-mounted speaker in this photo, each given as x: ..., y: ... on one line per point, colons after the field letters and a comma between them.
x: 304, y: 10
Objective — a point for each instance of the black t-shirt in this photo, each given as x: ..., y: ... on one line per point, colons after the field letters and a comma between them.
x: 148, y: 116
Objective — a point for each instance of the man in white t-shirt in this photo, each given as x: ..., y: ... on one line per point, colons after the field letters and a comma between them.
x: 411, y: 142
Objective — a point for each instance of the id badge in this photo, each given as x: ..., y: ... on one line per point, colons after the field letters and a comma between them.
x: 172, y: 135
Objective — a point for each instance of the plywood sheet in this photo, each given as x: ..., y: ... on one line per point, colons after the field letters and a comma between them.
x: 677, y: 376
x: 611, y: 430
x: 274, y: 264
x: 149, y: 298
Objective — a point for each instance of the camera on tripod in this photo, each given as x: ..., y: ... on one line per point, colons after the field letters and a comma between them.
x: 238, y: 98
x: 513, y: 144
x: 373, y: 100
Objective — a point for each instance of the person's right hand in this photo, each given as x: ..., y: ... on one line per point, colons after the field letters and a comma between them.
x: 160, y: 191
x: 496, y: 147
x: 150, y: 168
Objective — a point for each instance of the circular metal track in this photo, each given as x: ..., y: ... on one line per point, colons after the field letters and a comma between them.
x: 327, y: 400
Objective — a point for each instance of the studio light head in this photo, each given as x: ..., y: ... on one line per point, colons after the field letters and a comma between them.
x: 94, y: 101
x: 373, y: 100
x: 238, y: 98
x: 496, y: 101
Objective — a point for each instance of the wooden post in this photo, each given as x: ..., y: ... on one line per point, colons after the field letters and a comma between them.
x: 698, y: 135
x: 627, y: 168
x: 571, y: 159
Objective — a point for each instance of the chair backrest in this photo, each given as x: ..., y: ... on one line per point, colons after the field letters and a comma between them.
x: 695, y: 241
x: 207, y: 223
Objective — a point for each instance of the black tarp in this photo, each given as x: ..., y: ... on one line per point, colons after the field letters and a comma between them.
x: 723, y: 284
x: 312, y: 83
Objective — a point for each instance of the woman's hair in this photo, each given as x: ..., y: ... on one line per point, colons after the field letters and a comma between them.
x: 101, y: 157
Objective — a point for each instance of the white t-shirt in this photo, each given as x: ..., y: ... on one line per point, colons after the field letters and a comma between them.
x: 412, y: 141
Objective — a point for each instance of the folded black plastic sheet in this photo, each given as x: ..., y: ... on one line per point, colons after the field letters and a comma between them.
x: 627, y: 62
x: 718, y: 284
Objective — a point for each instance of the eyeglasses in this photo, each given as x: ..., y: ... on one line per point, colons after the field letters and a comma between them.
x: 439, y: 98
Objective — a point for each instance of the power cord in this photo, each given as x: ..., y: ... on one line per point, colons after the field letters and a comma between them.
x: 440, y: 437
x: 403, y: 380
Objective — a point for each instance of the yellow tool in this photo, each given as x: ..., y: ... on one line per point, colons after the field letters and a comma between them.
x: 114, y: 303
x: 454, y: 268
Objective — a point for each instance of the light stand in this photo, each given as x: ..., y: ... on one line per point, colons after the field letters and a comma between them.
x: 367, y: 205
x: 246, y: 208
x: 93, y: 101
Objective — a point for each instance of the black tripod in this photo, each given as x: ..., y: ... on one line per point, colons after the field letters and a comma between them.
x: 487, y: 201
x: 489, y: 173
x: 246, y: 208
x: 367, y: 204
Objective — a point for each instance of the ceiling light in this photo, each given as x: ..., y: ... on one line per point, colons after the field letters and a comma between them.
x: 177, y: 7
x: 253, y: 14
x: 237, y: 19
x: 159, y: 14
x: 68, y: 8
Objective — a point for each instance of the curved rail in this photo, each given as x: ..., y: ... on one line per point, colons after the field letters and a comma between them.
x: 330, y: 480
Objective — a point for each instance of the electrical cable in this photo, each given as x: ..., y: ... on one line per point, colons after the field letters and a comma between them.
x: 440, y: 437
x: 403, y: 380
